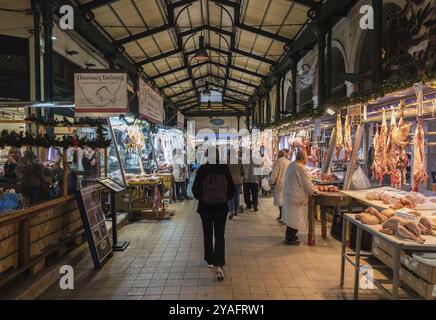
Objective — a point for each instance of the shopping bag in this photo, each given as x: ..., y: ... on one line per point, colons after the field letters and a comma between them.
x: 359, y: 180
x: 265, y: 184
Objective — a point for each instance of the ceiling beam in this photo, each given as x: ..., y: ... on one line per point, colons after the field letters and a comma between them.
x: 308, y: 3
x: 158, y: 57
x: 175, y: 70
x: 143, y: 34
x: 92, y: 5
x: 180, y: 3
x: 169, y: 85
x: 186, y: 99
x: 253, y: 56
x: 263, y: 33
x: 236, y: 68
x: 206, y: 27
x: 214, y: 114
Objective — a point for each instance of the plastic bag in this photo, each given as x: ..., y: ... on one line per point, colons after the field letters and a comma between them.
x: 359, y: 180
x: 265, y: 184
x: 9, y: 201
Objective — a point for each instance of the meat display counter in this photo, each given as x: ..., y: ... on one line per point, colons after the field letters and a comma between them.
x: 396, y: 255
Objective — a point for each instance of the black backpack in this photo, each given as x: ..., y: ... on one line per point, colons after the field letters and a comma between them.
x: 214, y: 189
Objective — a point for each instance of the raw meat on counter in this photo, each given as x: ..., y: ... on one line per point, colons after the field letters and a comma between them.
x: 327, y: 188
x: 419, y: 175
x: 347, y: 138
x: 339, y: 140
x: 403, y: 229
x: 398, y: 200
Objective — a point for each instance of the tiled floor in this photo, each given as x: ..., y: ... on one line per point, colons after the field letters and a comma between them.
x: 164, y: 261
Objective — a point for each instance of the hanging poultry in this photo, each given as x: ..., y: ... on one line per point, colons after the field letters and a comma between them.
x: 347, y: 138
x: 339, y: 140
x: 419, y: 166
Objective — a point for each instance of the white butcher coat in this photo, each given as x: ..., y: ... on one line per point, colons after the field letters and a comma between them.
x: 277, y: 178
x: 298, y: 187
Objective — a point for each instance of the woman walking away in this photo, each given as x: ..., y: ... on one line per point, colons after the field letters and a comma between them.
x: 277, y: 179
x: 237, y: 172
x: 213, y: 187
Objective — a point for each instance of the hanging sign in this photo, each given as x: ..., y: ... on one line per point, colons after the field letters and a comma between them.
x: 89, y: 200
x: 100, y: 94
x: 150, y: 103
x: 355, y: 114
x: 180, y: 120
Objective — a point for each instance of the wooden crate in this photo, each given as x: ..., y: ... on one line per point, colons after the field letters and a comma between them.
x: 8, y: 247
x: 420, y: 286
x: 425, y: 271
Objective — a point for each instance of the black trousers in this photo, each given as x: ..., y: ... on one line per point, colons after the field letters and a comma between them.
x: 214, y: 224
x: 291, y: 234
x: 251, y: 193
x: 181, y: 190
x: 280, y: 212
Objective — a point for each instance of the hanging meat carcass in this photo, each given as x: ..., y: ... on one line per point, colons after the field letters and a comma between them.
x: 392, y: 153
x: 379, y: 166
x: 419, y: 167
x: 347, y: 138
x: 402, y: 140
x: 339, y: 140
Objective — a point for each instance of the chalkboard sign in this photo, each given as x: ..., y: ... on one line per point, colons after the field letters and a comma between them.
x: 89, y: 200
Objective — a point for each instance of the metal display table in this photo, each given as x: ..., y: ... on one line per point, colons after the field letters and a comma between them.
x: 325, y: 201
x: 396, y: 246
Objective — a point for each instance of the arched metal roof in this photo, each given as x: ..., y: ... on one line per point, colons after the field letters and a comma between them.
x: 244, y: 40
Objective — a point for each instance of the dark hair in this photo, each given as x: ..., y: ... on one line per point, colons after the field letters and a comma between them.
x: 301, y: 155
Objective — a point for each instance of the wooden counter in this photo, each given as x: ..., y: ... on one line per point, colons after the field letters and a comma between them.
x: 29, y: 235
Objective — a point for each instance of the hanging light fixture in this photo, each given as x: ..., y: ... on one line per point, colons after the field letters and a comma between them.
x: 201, y: 53
x: 206, y: 90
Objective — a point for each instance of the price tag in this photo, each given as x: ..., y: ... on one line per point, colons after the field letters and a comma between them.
x: 355, y: 114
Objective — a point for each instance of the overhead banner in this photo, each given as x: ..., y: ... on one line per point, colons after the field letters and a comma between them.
x: 150, y: 103
x: 180, y: 120
x: 100, y: 94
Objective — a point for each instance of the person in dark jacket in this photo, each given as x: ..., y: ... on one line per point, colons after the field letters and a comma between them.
x: 31, y: 180
x: 213, y: 209
x: 11, y: 164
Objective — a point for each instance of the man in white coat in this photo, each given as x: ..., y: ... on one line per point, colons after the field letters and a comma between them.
x: 298, y: 187
x: 277, y: 179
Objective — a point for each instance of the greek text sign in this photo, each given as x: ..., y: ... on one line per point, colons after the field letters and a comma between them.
x: 150, y: 103
x: 100, y: 94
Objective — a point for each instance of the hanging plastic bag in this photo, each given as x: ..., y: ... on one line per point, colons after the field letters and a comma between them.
x: 359, y: 180
x: 265, y: 184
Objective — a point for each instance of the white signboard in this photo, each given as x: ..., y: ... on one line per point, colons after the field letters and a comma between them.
x: 150, y: 103
x: 100, y: 94
x: 180, y: 120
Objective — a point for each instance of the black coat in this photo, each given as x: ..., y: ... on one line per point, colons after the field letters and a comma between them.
x: 221, y: 169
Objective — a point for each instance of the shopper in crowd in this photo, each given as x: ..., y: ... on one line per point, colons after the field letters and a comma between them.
x: 31, y: 181
x: 237, y: 172
x: 180, y: 174
x: 213, y: 187
x: 251, y: 183
x: 295, y: 205
x: 277, y: 179
x: 89, y: 161
x: 11, y: 164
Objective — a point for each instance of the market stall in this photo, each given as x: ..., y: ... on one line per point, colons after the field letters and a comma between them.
x: 42, y: 224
